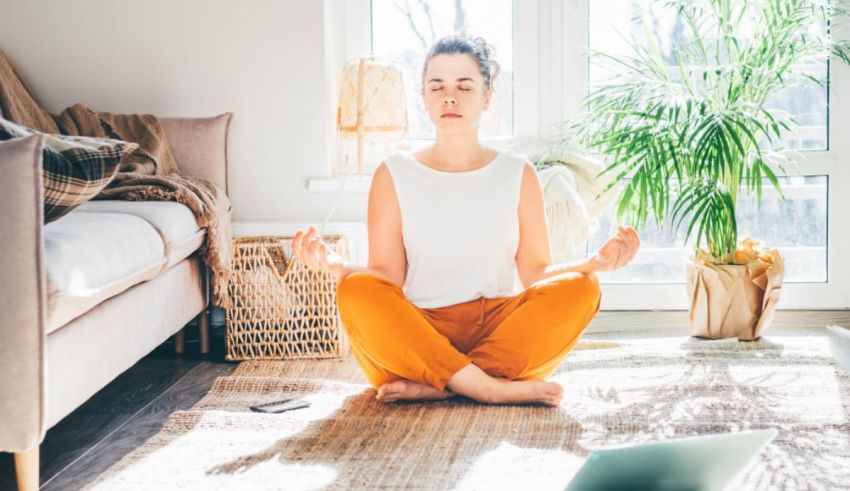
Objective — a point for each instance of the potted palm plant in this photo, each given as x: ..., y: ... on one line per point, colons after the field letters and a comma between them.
x: 689, y: 136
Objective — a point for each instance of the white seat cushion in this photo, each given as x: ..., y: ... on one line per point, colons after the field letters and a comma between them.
x: 90, y: 257
x: 174, y: 222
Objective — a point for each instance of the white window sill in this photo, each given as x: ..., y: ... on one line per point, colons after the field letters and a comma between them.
x: 336, y: 184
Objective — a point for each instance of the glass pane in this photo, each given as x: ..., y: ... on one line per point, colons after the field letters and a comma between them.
x: 614, y: 22
x: 405, y: 31
x: 796, y: 226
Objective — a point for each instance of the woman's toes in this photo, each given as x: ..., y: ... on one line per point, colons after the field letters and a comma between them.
x: 554, y: 393
x: 391, y: 390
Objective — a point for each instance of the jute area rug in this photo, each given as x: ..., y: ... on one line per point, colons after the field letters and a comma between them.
x: 615, y: 393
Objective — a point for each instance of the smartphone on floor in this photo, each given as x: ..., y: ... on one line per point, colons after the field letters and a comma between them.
x: 280, y: 406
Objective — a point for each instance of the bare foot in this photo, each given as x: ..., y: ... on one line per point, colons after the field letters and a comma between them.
x: 409, y: 390
x: 524, y: 391
x: 473, y: 382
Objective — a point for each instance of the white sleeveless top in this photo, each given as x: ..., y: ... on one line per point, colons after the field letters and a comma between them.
x: 460, y: 229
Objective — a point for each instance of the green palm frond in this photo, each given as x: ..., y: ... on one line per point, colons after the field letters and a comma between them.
x: 692, y: 134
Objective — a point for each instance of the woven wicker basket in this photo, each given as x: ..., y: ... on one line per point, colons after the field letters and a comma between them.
x: 281, y: 309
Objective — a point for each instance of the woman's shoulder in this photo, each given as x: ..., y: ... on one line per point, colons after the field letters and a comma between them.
x: 397, y: 154
x: 396, y: 157
x: 515, y: 159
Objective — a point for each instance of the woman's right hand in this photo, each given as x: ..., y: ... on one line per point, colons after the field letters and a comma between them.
x: 313, y: 252
x: 617, y: 251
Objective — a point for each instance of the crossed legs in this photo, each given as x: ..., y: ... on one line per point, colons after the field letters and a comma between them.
x: 405, y: 357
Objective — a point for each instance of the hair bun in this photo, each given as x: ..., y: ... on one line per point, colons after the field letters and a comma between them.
x: 485, y: 48
x: 486, y: 52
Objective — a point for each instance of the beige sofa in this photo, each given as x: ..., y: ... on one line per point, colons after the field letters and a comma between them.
x: 88, y: 295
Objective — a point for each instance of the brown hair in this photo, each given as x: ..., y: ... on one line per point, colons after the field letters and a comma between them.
x: 477, y: 48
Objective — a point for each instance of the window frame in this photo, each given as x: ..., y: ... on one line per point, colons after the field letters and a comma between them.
x: 550, y: 41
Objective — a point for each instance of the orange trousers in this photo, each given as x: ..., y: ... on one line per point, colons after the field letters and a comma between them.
x: 521, y: 337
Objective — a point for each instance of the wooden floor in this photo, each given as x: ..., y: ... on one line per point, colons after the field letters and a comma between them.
x: 134, y: 406
x: 124, y: 414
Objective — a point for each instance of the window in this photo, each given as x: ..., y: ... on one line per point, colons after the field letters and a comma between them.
x: 797, y: 226
x: 404, y: 31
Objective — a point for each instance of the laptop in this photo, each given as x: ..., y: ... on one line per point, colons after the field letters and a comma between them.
x: 705, y: 462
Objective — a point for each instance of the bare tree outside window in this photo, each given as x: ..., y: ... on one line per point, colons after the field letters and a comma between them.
x: 615, y: 25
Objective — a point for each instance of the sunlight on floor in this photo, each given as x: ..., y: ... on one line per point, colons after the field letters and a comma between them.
x: 561, y: 467
x: 234, y: 450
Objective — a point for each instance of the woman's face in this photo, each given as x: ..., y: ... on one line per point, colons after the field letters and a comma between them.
x: 453, y: 85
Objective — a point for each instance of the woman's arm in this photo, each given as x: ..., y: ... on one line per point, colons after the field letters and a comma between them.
x: 533, y: 254
x: 534, y: 258
x: 618, y: 251
x: 387, y: 257
x: 314, y: 253
x: 386, y: 245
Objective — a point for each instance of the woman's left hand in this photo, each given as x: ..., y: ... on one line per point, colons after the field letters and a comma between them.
x: 617, y: 251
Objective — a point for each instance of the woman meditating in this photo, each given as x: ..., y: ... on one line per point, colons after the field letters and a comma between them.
x: 460, y: 295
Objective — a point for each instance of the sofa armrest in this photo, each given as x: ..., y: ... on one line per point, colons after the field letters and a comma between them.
x: 199, y: 146
x: 22, y: 295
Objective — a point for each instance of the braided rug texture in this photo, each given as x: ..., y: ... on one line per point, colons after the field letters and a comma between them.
x: 615, y: 393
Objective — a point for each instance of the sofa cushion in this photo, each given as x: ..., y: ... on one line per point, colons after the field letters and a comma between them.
x: 75, y: 168
x: 174, y: 221
x: 90, y: 257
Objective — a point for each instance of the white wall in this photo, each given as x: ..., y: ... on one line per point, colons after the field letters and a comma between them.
x: 270, y: 62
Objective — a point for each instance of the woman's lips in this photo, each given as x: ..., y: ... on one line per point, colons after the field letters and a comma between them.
x: 451, y: 115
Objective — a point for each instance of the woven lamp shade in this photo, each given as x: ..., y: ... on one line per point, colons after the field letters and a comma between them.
x: 372, y: 103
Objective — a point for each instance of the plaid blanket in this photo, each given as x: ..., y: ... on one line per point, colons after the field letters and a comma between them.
x: 74, y: 168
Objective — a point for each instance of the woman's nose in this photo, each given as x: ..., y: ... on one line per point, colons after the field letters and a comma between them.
x: 450, y: 100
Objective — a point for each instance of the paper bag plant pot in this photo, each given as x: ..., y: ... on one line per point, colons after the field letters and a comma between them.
x: 734, y: 300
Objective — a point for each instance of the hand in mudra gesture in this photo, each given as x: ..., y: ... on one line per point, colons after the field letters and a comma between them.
x: 309, y: 249
x: 617, y: 251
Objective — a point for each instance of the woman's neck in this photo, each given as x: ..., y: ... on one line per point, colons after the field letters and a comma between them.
x: 457, y: 153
